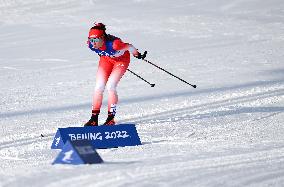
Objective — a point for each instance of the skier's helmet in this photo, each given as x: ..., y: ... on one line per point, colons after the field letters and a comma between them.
x: 97, y: 30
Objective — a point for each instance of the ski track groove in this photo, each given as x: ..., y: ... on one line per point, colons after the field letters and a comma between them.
x: 205, y: 106
x: 226, y: 166
x: 25, y: 141
x: 159, y: 117
x: 229, y: 167
x: 214, y: 168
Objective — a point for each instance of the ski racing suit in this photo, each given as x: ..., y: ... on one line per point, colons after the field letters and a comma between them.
x: 113, y: 63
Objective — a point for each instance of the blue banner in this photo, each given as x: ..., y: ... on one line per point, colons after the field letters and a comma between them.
x: 100, y: 137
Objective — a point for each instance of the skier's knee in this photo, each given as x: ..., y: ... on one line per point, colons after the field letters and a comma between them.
x: 111, y: 88
x: 99, y: 88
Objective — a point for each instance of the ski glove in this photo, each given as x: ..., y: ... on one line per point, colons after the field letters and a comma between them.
x: 141, y: 56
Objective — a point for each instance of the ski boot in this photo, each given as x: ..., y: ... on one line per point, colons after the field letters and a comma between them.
x: 110, y: 119
x: 94, y: 121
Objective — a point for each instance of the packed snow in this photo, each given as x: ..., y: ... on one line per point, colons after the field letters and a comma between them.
x: 226, y: 132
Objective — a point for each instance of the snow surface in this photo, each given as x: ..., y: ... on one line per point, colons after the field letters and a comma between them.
x: 226, y: 132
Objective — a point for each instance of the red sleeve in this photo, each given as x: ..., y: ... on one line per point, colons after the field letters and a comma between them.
x: 118, y: 44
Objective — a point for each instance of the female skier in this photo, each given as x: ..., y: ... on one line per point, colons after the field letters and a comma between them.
x: 114, y: 60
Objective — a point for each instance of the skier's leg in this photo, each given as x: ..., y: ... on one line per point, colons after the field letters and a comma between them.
x: 118, y: 71
x: 103, y: 73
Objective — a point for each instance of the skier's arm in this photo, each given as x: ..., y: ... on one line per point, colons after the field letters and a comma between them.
x: 119, y: 45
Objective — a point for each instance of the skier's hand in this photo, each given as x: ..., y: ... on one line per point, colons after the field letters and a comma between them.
x: 141, y: 56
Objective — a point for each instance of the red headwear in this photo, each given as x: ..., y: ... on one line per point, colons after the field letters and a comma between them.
x: 97, y: 31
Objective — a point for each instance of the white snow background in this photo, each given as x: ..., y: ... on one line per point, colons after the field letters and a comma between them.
x: 226, y: 132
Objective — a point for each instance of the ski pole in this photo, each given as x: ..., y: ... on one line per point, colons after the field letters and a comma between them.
x: 194, y: 86
x: 152, y: 85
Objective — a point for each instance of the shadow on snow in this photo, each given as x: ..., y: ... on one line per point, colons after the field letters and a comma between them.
x: 141, y: 99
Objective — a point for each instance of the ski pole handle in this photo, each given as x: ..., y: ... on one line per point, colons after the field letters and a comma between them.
x: 141, y: 56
